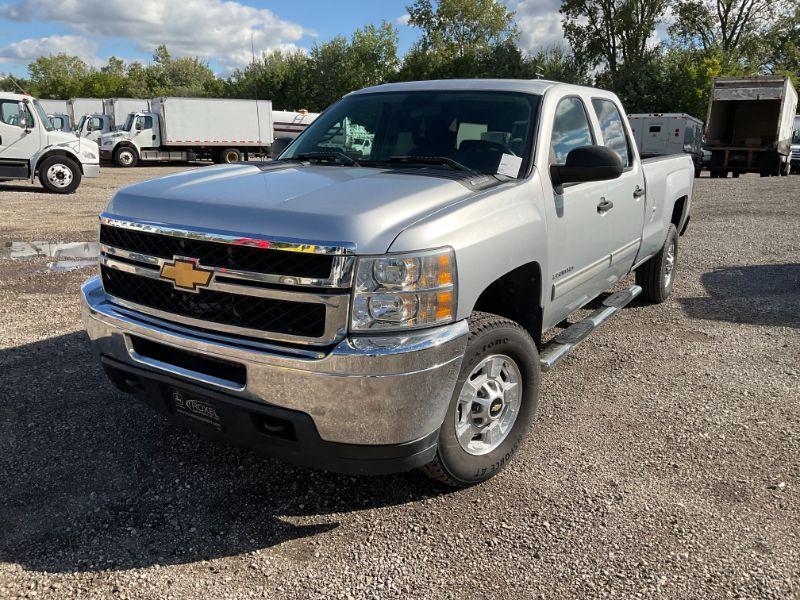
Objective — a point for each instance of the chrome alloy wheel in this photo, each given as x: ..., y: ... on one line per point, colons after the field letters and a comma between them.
x: 59, y: 175
x: 488, y: 404
x: 669, y: 263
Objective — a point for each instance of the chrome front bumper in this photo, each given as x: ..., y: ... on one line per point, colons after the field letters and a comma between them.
x: 374, y: 391
x: 91, y: 170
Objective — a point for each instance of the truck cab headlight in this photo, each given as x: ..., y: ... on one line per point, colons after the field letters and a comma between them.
x: 407, y: 291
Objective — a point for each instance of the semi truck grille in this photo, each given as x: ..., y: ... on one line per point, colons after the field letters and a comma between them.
x: 220, y: 255
x: 211, y: 306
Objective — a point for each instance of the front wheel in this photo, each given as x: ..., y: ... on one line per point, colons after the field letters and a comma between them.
x: 59, y: 175
x: 657, y: 275
x: 125, y: 157
x: 493, y: 405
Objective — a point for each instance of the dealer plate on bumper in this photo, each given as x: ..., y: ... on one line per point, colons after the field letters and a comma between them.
x: 198, y: 409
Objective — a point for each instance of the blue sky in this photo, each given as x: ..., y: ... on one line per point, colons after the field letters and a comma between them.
x: 218, y: 31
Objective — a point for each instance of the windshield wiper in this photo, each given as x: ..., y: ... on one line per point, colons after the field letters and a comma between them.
x: 327, y: 155
x: 444, y: 161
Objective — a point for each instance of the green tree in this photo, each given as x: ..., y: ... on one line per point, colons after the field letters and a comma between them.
x: 557, y: 64
x: 610, y: 33
x: 461, y: 38
x: 372, y: 55
x: 58, y: 76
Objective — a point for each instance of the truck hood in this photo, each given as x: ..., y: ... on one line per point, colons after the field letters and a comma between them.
x: 367, y: 207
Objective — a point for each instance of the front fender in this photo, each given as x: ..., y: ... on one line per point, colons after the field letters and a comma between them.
x: 492, y: 233
x: 50, y: 151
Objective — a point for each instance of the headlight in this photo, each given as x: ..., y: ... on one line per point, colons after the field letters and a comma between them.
x: 89, y: 155
x: 405, y: 291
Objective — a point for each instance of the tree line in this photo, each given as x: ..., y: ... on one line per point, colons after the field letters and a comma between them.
x: 657, y: 55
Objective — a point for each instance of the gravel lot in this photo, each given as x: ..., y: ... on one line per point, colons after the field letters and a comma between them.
x: 665, y: 461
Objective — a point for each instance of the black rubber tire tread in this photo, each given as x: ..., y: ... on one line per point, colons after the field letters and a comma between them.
x: 64, y: 160
x: 479, y: 323
x: 135, y: 157
x: 649, y: 275
x: 224, y: 151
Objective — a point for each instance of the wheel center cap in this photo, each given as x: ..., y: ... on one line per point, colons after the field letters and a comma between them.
x: 496, y: 407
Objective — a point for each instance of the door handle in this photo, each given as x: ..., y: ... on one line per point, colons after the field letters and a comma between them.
x: 638, y: 192
x: 604, y: 206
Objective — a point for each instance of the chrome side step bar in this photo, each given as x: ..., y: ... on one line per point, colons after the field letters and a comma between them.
x: 573, y: 335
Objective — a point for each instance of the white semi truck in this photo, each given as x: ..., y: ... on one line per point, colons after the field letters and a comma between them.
x: 186, y: 129
x: 80, y: 108
x: 661, y: 134
x: 750, y: 124
x: 31, y: 147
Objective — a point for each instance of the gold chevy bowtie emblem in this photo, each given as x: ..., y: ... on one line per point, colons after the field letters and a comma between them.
x: 185, y: 274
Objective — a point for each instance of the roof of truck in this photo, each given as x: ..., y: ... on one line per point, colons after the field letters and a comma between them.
x: 528, y: 86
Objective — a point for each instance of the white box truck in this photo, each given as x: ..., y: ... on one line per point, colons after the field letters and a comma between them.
x: 660, y: 134
x: 750, y: 124
x: 186, y: 129
x: 54, y: 106
x: 114, y: 114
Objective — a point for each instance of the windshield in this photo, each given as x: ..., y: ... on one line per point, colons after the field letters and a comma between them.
x: 487, y: 132
x: 128, y: 123
x: 43, y: 116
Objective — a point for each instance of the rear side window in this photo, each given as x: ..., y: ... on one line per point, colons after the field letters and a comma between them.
x: 570, y: 130
x: 614, y: 135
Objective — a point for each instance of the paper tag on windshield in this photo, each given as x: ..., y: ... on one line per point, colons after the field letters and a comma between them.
x: 509, y: 165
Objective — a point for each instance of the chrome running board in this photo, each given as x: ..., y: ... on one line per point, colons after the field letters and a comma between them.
x: 567, y: 340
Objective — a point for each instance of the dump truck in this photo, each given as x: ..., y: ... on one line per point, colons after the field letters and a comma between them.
x: 187, y: 129
x: 750, y: 124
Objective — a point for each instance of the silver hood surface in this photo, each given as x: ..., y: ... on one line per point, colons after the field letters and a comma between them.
x: 365, y: 206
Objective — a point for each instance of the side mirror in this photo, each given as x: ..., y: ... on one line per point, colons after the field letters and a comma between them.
x: 279, y: 145
x: 22, y: 115
x: 89, y: 126
x: 688, y: 148
x: 138, y: 125
x: 588, y: 163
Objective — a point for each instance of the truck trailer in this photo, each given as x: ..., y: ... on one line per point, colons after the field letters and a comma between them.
x: 750, y: 124
x: 661, y: 134
x: 54, y: 106
x: 186, y: 129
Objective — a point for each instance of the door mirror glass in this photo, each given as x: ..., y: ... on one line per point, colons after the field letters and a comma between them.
x: 89, y: 125
x: 139, y: 124
x: 587, y: 163
x: 22, y: 119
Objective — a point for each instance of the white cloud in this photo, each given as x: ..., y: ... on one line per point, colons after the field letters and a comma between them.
x: 26, y: 50
x: 210, y: 29
x: 539, y: 22
x: 403, y: 19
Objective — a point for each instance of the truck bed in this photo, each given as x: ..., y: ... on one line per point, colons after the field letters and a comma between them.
x: 666, y: 178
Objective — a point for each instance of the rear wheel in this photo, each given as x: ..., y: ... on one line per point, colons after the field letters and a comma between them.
x: 230, y: 155
x: 125, y: 157
x: 493, y: 404
x: 657, y: 275
x: 59, y: 174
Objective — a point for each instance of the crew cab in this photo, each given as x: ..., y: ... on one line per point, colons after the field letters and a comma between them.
x: 31, y: 147
x: 384, y: 309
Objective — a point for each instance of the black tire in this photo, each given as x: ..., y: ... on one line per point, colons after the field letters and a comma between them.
x: 697, y: 172
x: 736, y: 174
x: 59, y: 174
x: 126, y: 157
x: 229, y: 156
x: 489, y: 335
x: 652, y: 275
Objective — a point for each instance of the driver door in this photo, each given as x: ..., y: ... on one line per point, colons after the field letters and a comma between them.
x: 17, y: 143
x: 143, y: 134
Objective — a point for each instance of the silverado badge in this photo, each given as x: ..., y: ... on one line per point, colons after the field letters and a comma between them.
x: 185, y: 274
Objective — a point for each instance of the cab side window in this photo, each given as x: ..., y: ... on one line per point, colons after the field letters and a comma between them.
x: 612, y: 128
x: 570, y: 130
x: 9, y: 113
x: 144, y: 123
x: 97, y: 124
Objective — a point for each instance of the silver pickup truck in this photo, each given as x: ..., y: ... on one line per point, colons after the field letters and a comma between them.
x: 379, y: 307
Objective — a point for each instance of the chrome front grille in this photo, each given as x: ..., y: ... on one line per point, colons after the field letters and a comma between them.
x: 282, y: 290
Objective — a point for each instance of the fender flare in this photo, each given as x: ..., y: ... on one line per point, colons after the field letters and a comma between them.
x: 36, y: 160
